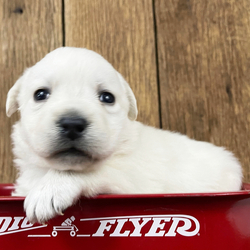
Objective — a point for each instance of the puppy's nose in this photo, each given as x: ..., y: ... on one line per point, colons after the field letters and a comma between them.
x: 72, y: 127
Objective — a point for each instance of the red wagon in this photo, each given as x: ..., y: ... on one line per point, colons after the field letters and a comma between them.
x: 165, y: 221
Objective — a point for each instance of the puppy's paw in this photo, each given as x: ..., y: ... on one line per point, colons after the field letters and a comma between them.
x: 50, y: 198
x: 43, y: 204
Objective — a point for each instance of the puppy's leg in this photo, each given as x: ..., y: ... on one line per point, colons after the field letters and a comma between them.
x: 56, y: 191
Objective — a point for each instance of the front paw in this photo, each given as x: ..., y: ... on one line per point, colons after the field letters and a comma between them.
x: 40, y: 206
x: 50, y: 199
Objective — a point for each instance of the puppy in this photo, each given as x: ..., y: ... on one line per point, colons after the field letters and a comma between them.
x: 77, y: 135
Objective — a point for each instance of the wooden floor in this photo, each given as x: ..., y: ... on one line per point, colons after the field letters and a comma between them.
x: 187, y: 61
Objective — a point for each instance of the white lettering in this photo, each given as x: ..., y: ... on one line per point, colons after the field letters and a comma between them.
x: 183, y: 229
x: 117, y: 232
x: 15, y: 223
x: 26, y: 223
x: 104, y: 226
x: 4, y: 223
x: 157, y: 225
x: 135, y: 226
x: 138, y: 226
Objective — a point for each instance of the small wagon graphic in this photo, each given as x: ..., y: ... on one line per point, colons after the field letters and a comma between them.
x: 73, y: 229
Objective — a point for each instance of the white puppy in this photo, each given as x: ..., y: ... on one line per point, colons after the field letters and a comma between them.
x: 78, y: 136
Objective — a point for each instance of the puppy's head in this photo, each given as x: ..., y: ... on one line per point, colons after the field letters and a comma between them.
x: 74, y: 106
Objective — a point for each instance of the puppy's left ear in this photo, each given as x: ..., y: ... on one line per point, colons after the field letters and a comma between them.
x: 132, y: 113
x: 12, y: 103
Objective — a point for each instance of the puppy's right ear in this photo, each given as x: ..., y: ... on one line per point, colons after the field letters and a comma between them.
x: 12, y: 103
x: 132, y: 114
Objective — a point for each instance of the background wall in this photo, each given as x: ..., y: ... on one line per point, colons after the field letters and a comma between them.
x: 186, y: 60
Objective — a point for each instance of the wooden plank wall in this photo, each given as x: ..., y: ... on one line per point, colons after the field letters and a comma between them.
x: 28, y: 31
x: 204, y: 60
x: 186, y: 60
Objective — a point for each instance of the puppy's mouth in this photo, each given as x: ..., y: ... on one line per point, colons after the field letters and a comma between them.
x: 70, y: 152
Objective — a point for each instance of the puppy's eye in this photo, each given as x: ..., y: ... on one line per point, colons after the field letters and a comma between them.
x: 107, y: 97
x: 41, y: 94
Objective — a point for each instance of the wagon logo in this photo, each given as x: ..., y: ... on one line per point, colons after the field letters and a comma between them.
x: 67, y: 225
x: 10, y: 225
x: 147, y: 226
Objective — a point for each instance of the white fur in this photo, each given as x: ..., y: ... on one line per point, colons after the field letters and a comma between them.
x: 125, y: 155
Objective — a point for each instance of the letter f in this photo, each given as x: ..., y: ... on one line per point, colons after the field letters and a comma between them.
x: 104, y: 226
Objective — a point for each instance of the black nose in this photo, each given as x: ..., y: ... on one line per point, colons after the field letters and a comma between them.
x: 72, y: 127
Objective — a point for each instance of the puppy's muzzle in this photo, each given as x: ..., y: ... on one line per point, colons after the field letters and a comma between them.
x: 72, y: 128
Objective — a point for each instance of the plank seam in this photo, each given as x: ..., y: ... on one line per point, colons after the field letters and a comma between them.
x: 63, y: 23
x: 157, y: 64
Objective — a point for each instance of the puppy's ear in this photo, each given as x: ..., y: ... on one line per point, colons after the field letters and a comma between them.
x: 12, y: 103
x: 132, y: 113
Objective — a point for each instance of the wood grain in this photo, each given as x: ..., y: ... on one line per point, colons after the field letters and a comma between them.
x: 123, y: 32
x: 29, y: 30
x: 204, y: 60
